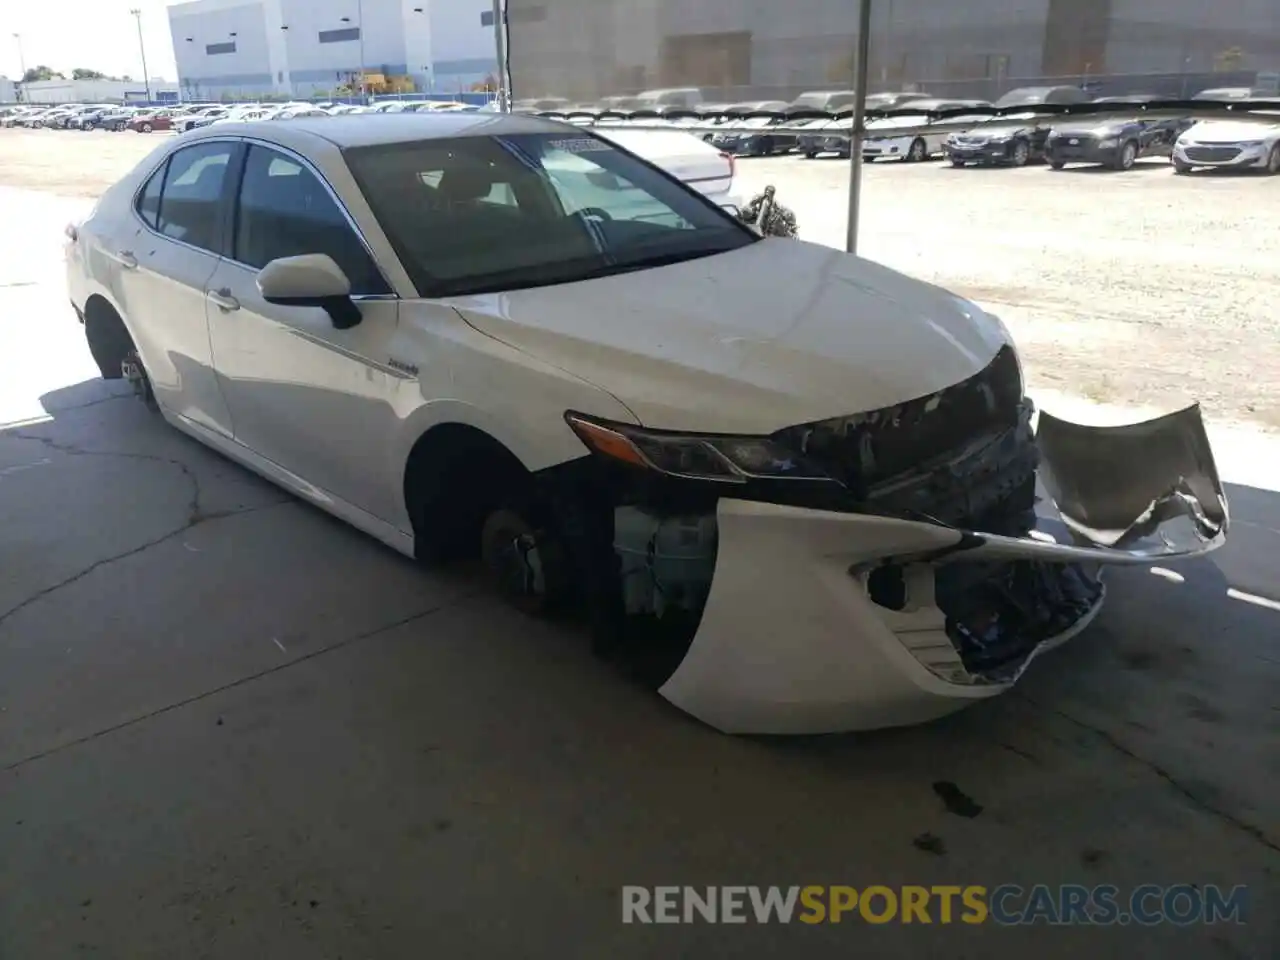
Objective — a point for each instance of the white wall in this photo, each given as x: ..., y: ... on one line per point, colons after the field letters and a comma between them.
x: 92, y: 91
x: 196, y: 27
x: 278, y: 48
x: 8, y: 90
x: 462, y: 49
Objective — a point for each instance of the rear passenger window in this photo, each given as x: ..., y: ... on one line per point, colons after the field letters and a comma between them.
x: 285, y: 211
x: 149, y: 199
x: 190, y: 207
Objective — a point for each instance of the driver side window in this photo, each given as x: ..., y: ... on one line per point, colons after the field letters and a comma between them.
x: 285, y: 211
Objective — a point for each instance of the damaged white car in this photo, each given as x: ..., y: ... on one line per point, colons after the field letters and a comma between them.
x: 794, y: 490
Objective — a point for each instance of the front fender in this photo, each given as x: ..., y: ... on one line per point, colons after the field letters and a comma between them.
x: 514, y: 398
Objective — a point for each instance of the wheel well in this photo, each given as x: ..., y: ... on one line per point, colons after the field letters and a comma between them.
x: 109, y: 339
x: 454, y: 477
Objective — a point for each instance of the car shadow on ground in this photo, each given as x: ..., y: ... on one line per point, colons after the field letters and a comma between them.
x: 1144, y: 165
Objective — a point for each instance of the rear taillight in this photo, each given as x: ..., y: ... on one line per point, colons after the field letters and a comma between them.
x: 733, y: 166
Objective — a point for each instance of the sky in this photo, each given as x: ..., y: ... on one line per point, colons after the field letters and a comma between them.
x: 95, y: 34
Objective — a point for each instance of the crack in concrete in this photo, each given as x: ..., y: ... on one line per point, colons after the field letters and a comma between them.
x: 196, y: 514
x: 258, y: 675
x: 1196, y: 801
x: 75, y: 451
x: 133, y: 551
x: 93, y: 403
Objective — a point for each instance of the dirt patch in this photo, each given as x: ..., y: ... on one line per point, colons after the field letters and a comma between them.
x: 71, y: 163
x: 1139, y: 288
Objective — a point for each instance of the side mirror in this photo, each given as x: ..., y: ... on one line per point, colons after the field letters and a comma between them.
x: 311, y: 280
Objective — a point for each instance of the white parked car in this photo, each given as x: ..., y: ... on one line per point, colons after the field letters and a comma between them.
x: 1237, y: 144
x: 880, y: 143
x: 706, y: 168
x: 244, y: 115
x: 793, y: 488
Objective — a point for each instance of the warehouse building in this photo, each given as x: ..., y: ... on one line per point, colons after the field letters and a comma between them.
x: 745, y: 49
x: 301, y: 48
x: 100, y: 91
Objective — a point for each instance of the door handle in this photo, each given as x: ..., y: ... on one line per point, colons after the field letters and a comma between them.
x: 127, y: 260
x: 223, y: 300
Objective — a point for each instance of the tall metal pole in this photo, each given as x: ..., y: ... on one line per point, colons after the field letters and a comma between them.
x: 364, y: 94
x: 142, y: 47
x: 858, y: 134
x: 500, y: 48
x: 22, y: 60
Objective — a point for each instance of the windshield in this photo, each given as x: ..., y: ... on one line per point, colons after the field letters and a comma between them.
x: 482, y: 214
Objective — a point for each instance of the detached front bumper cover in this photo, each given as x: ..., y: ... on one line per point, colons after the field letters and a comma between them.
x: 791, y: 640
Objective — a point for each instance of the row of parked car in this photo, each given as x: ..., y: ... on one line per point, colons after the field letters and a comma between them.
x: 190, y: 116
x: 1116, y: 139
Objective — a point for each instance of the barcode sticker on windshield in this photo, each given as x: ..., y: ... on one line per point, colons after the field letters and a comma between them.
x: 581, y: 145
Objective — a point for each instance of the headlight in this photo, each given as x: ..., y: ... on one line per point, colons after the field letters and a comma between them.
x: 1109, y: 143
x: 1250, y: 144
x: 722, y: 459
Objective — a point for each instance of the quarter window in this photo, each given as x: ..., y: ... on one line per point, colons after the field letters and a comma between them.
x: 285, y: 211
x: 193, y: 189
x: 149, y: 199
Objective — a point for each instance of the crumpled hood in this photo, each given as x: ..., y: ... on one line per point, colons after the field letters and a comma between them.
x: 777, y: 333
x: 1229, y: 131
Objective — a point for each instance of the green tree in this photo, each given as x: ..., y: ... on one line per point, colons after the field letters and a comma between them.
x: 36, y: 74
x: 82, y: 73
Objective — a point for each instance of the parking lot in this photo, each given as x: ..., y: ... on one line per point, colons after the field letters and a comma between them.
x: 232, y: 727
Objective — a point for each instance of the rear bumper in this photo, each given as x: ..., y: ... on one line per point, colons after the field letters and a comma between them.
x: 1084, y: 151
x: 796, y: 637
x: 978, y: 153
x: 898, y: 147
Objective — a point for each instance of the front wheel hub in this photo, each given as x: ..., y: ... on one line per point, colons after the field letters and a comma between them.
x: 526, y: 564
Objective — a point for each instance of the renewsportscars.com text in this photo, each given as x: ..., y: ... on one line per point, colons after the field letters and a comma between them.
x: 1005, y: 905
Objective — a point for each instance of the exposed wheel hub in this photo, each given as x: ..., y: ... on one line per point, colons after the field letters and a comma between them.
x: 131, y: 369
x: 525, y: 564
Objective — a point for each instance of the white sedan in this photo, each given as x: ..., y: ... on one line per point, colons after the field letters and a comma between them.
x: 881, y: 143
x: 794, y: 489
x: 1234, y: 144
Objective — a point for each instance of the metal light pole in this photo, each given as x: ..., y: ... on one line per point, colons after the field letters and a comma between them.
x: 22, y: 60
x: 360, y: 35
x: 857, y: 135
x: 500, y: 48
x: 142, y: 47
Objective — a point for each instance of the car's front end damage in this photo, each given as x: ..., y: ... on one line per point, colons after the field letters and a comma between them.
x: 876, y: 569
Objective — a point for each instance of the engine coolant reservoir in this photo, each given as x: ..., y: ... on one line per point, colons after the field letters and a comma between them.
x: 667, y: 561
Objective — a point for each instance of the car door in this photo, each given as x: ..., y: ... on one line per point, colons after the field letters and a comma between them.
x: 313, y: 399
x: 166, y: 255
x: 1158, y: 136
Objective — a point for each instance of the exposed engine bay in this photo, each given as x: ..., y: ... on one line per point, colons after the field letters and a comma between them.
x: 967, y: 459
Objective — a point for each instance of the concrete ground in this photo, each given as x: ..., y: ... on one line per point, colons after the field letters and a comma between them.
x: 232, y: 727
